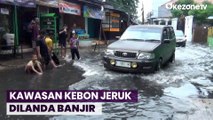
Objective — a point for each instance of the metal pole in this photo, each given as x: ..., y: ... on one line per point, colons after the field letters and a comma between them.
x: 38, y: 12
x: 142, y: 13
x: 16, y: 27
x: 16, y: 31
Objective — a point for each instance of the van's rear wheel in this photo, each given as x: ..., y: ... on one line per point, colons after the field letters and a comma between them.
x: 184, y: 44
x: 159, y: 65
x: 172, y: 58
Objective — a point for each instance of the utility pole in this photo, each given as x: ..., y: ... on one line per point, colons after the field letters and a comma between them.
x: 142, y: 10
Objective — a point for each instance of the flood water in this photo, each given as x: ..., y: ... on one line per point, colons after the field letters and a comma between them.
x: 52, y: 79
x: 180, y: 91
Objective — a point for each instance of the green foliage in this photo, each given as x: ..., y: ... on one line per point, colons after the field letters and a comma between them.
x: 185, y: 2
x: 178, y: 13
x: 201, y: 16
x: 128, y: 6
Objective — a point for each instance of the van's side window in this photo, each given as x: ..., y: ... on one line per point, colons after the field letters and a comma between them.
x: 165, y: 34
x: 172, y: 33
x: 169, y: 33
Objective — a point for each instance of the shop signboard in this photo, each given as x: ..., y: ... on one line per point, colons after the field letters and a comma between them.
x: 4, y: 11
x: 93, y: 13
x: 69, y: 8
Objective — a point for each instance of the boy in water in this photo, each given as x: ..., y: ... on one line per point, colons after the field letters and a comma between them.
x: 34, y: 66
x: 74, y: 45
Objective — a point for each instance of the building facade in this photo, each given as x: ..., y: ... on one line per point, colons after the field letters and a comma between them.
x: 88, y: 15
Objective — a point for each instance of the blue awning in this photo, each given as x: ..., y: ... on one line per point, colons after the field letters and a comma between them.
x: 11, y: 2
x: 26, y: 3
x: 23, y: 3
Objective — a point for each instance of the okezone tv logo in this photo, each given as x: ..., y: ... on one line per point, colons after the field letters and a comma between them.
x: 185, y: 6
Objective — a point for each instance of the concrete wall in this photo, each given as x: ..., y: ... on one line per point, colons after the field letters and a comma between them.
x: 188, y: 27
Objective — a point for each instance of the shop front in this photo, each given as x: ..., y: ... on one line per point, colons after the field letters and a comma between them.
x: 24, y: 17
x: 16, y: 14
x: 6, y: 24
x: 13, y: 20
x: 11, y: 25
x: 47, y: 11
x: 47, y: 6
x: 25, y: 11
x: 115, y: 23
x: 71, y: 16
x: 93, y: 18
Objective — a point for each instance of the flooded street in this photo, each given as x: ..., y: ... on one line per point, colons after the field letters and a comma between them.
x: 181, y: 91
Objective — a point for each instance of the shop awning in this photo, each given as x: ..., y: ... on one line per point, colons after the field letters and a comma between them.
x: 26, y: 3
x: 97, y: 3
x: 23, y: 3
x: 48, y: 3
x: 11, y: 2
x: 48, y: 15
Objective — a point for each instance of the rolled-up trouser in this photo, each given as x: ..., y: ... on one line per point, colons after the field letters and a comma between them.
x: 74, y: 51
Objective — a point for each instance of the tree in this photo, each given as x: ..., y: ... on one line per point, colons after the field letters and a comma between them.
x: 201, y: 16
x: 178, y: 13
x: 128, y: 6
